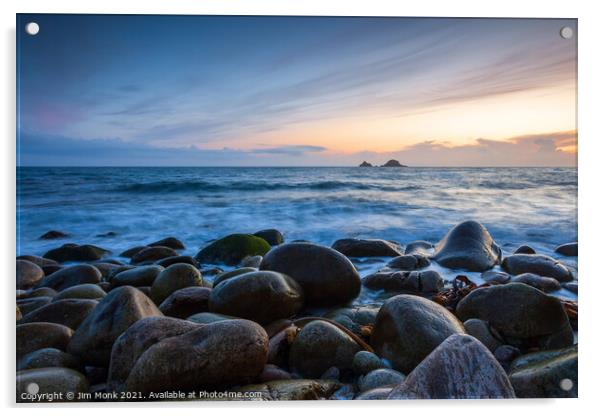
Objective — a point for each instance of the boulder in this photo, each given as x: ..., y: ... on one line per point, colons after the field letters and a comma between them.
x: 93, y: 339
x: 383, y: 377
x: 409, y: 262
x: 460, y: 368
x: 152, y: 254
x: 546, y: 374
x: 262, y: 296
x: 356, y: 247
x: 545, y: 284
x: 537, y: 264
x: 218, y: 355
x: 227, y: 275
x: 68, y: 312
x: 168, y: 261
x: 381, y: 393
x: 53, y: 235
x: 71, y: 276
x: 177, y: 276
x: 327, y: 277
x: 568, y: 249
x: 355, y: 318
x: 42, y: 291
x: 85, y: 291
x: 272, y: 236
x: 481, y: 331
x: 319, y: 346
x: 232, y: 249
x: 186, y: 302
x: 468, y: 246
x: 401, y: 336
x: 49, y: 357
x: 38, y: 335
x: 251, y: 261
x: 365, y: 361
x: 523, y: 316
x: 50, y: 381
x: 505, y: 354
x: 170, y: 242
x: 428, y: 281
x: 571, y: 287
x: 28, y: 305
x: 208, y: 318
x: 28, y: 274
x: 421, y: 247
x: 40, y: 261
x: 75, y: 252
x: 524, y: 250
x: 138, y: 276
x: 130, y: 252
x: 496, y: 278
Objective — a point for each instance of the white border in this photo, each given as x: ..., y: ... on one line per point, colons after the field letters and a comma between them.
x: 590, y: 70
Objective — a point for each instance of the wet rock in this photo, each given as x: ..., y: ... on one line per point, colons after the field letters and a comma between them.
x: 251, y: 261
x: 524, y: 316
x: 546, y: 374
x: 420, y: 247
x: 365, y: 164
x: 383, y: 377
x: 428, y: 281
x: 28, y: 274
x: 28, y: 305
x: 49, y: 269
x: 168, y: 261
x: 262, y: 296
x: 393, y: 164
x: 53, y: 235
x: 49, y: 357
x: 68, y: 312
x: 571, y: 287
x: 232, y: 249
x: 505, y: 354
x: 51, y: 381
x: 71, y: 276
x: 545, y: 284
x: 460, y: 368
x: 211, y: 271
x: 208, y: 318
x: 108, y: 234
x: 327, y: 277
x: 93, y: 339
x: 409, y: 262
x: 38, y: 335
x: 106, y: 269
x: 401, y: 336
x: 332, y: 373
x: 138, y: 276
x: 130, y: 345
x: 355, y: 247
x: 85, y: 291
x: 480, y: 330
x: 537, y: 264
x: 524, y: 250
x: 568, y: 249
x: 272, y: 372
x: 272, y: 236
x: 365, y: 361
x: 170, y: 242
x: 40, y: 261
x: 468, y: 246
x: 186, y: 302
x: 355, y: 318
x: 152, y: 254
x: 130, y: 252
x: 42, y: 291
x: 381, y: 393
x: 293, y: 389
x: 75, y: 252
x: 494, y: 277
x: 319, y: 346
x: 177, y: 276
x: 217, y: 355
x: 227, y: 275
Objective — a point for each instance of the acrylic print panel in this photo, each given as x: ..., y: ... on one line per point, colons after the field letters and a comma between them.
x: 280, y: 208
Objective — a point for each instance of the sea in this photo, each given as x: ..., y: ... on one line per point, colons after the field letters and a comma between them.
x: 121, y: 207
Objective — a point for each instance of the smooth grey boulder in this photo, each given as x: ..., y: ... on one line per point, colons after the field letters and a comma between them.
x: 175, y: 277
x: 545, y: 284
x: 468, y: 246
x: 568, y: 249
x: 37, y: 335
x: 525, y: 317
x: 227, y: 275
x: 365, y: 362
x: 546, y: 374
x: 186, y: 302
x: 68, y: 312
x: 355, y: 318
x: 356, y: 247
x: 460, y: 368
x: 401, y: 335
x: 138, y: 276
x: 49, y: 357
x: 327, y: 277
x: 83, y: 291
x: 28, y: 274
x: 319, y: 346
x: 428, y: 281
x: 170, y: 242
x: 481, y: 331
x: 75, y: 252
x: 379, y: 378
x: 27, y: 305
x: 71, y: 276
x: 497, y: 278
x: 272, y: 236
x: 93, y: 339
x: 537, y: 264
x: 152, y: 254
x: 409, y: 262
x: 524, y: 250
x: 421, y: 247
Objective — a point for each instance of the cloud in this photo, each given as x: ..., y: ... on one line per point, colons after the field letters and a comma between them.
x: 294, y: 150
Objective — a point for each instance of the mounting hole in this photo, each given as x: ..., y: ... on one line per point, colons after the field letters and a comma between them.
x: 566, y: 32
x: 32, y: 28
x: 566, y: 384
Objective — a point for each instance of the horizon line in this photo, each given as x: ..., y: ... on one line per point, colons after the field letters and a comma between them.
x: 299, y: 166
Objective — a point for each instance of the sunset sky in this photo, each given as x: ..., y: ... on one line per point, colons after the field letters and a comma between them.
x: 254, y: 91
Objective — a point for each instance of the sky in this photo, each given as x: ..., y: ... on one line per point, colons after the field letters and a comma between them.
x: 116, y: 90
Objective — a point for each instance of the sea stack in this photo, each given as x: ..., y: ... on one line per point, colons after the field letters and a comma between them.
x: 366, y: 165
x: 393, y: 164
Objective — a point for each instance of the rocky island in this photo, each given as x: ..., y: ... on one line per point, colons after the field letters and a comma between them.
x: 390, y: 164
